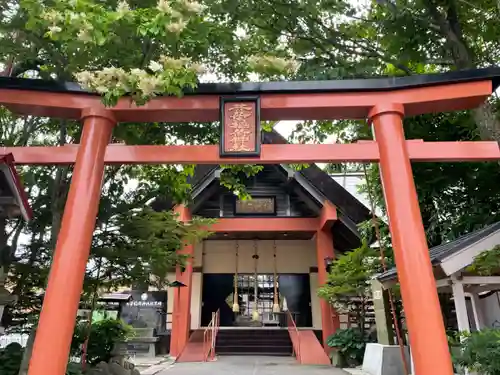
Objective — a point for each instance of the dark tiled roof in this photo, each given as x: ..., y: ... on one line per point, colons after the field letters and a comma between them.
x: 279, y: 87
x: 440, y: 252
x: 345, y: 202
x: 351, y: 211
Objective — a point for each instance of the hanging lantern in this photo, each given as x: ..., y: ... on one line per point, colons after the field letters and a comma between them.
x: 255, y: 313
x: 276, y: 305
x: 236, y: 306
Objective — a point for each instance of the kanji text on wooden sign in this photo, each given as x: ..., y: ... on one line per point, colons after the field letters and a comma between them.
x: 240, y: 126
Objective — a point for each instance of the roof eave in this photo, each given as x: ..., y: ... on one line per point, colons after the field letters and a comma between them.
x: 289, y: 87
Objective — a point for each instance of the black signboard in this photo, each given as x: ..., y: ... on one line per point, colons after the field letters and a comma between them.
x: 146, y: 310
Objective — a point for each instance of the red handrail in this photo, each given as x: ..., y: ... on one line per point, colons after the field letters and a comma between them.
x: 210, y: 337
x: 294, y: 334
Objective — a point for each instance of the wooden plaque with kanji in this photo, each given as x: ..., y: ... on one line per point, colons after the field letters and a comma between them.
x: 240, y: 127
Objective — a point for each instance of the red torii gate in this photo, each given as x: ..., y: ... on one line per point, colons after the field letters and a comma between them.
x: 384, y: 102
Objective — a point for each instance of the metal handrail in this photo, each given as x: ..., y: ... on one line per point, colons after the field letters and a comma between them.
x: 294, y: 332
x: 210, y: 337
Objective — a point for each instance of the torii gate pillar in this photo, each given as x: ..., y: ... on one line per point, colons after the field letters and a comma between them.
x: 418, y: 288
x: 62, y: 296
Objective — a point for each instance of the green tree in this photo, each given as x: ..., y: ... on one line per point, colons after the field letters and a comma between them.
x: 348, y: 284
x: 486, y: 263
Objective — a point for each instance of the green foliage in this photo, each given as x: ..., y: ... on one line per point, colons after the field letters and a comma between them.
x: 331, y: 40
x: 104, y: 335
x: 10, y: 359
x: 169, y: 33
x: 480, y: 352
x: 141, y: 247
x: 348, y: 284
x: 487, y: 263
x: 234, y: 177
x: 74, y: 369
x: 350, y: 274
x: 350, y: 343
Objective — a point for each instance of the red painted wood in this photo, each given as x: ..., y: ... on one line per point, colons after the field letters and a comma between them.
x: 418, y: 151
x: 418, y: 287
x: 311, y: 350
x: 324, y: 249
x: 194, y: 350
x: 328, y: 216
x: 62, y: 297
x: 181, y: 318
x: 205, y: 108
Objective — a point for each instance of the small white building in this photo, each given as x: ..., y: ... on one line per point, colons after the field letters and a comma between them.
x: 476, y: 298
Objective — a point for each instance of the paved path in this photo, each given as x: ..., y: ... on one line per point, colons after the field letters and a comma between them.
x: 247, y: 365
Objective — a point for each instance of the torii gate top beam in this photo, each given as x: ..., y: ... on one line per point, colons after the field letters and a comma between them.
x: 313, y: 100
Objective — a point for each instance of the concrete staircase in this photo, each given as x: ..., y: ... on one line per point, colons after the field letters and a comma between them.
x: 257, y: 341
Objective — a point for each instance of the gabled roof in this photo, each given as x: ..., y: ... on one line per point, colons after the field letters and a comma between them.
x: 317, y: 183
x: 348, y: 206
x: 443, y: 252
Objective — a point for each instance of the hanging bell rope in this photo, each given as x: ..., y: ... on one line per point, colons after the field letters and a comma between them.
x: 255, y: 313
x: 276, y: 305
x: 236, y: 306
x: 399, y: 337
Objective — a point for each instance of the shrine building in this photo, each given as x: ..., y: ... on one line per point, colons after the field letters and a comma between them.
x: 267, y: 254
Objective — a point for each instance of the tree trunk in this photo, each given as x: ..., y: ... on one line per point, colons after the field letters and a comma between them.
x: 487, y: 122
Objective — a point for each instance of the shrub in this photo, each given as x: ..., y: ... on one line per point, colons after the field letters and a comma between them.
x: 350, y: 343
x: 104, y: 335
x: 10, y: 359
x: 480, y: 352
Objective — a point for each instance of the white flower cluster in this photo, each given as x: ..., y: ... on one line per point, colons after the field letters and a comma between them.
x: 278, y: 64
x: 138, y: 81
x: 179, y: 12
x: 78, y: 20
x: 179, y: 22
x: 122, y: 9
x: 165, y: 6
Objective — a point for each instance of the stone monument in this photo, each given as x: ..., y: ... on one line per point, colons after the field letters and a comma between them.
x: 145, y: 312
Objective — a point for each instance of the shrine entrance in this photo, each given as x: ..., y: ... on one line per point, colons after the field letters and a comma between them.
x: 293, y: 295
x: 239, y: 108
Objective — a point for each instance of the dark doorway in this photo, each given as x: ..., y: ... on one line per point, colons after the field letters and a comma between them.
x: 296, y: 288
x: 216, y: 288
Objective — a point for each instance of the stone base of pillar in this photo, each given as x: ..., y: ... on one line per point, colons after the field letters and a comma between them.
x: 382, y: 359
x: 143, y: 344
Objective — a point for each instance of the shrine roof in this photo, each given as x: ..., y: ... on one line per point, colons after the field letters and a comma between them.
x: 13, y: 198
x: 351, y: 211
x: 370, y: 84
x: 441, y: 252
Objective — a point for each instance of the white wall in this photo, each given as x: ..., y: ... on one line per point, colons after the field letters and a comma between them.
x: 490, y: 309
x: 315, y: 306
x: 196, y: 290
x: 219, y: 256
x: 291, y: 256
